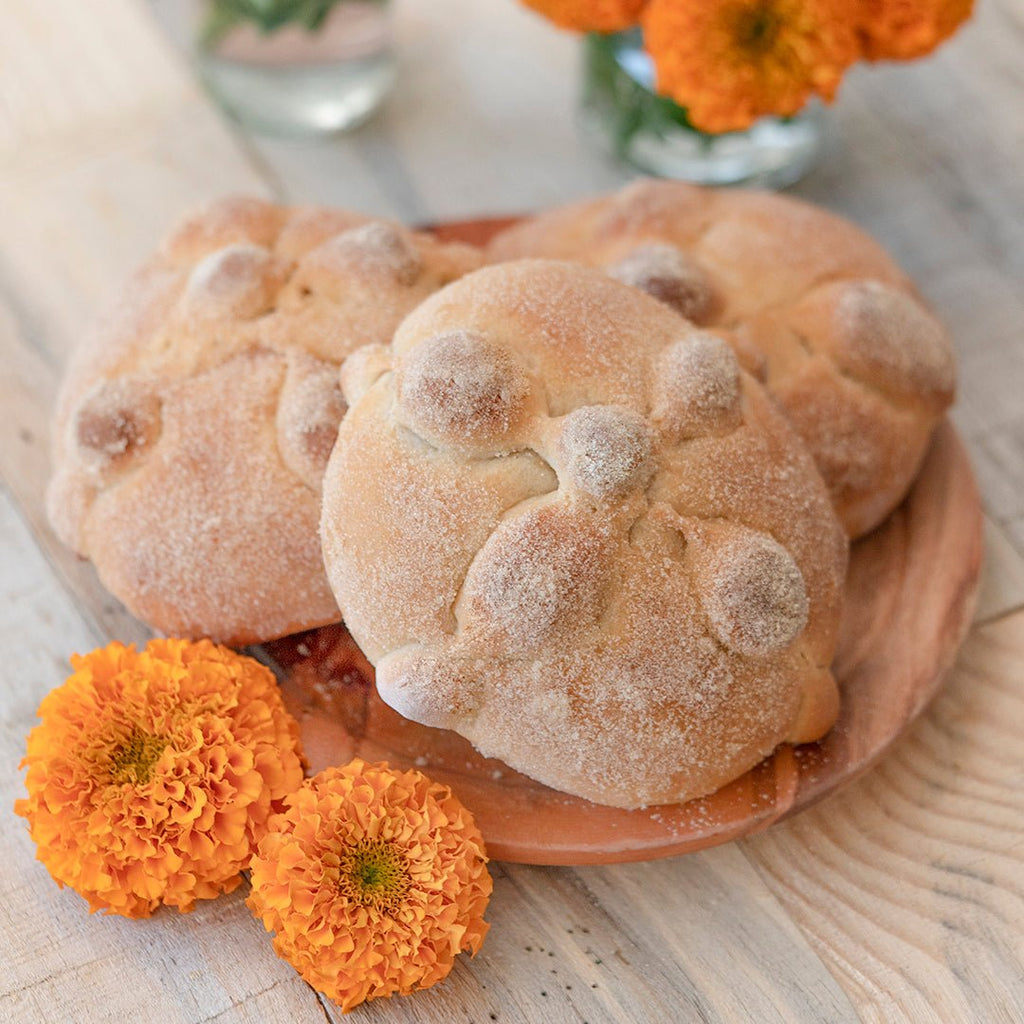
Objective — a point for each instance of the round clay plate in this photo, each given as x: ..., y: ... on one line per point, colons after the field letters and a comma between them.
x: 908, y: 602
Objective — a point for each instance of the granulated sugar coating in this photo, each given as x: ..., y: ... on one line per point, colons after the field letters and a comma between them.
x: 884, y: 336
x: 458, y: 388
x: 115, y: 422
x: 193, y: 428
x: 378, y: 249
x: 671, y: 276
x: 308, y: 413
x: 604, y: 450
x: 810, y: 303
x: 698, y: 387
x: 755, y: 598
x: 593, y: 546
x: 237, y: 281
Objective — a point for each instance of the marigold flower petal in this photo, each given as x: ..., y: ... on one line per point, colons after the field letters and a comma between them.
x: 906, y: 29
x: 153, y: 773
x: 590, y: 15
x: 729, y: 62
x: 372, y: 880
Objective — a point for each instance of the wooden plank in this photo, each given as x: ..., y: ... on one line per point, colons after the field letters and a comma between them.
x: 27, y: 389
x: 104, y: 141
x: 910, y: 885
x: 692, y: 938
x: 1002, y: 575
x: 60, y: 963
x: 467, y: 133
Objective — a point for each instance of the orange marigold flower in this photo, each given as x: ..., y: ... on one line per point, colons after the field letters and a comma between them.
x: 729, y: 62
x: 373, y: 880
x: 590, y: 15
x: 905, y: 29
x: 153, y: 774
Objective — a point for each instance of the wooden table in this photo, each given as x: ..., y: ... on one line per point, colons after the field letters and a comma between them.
x: 900, y: 898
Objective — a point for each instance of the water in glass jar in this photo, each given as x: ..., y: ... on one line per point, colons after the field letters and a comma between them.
x: 294, y: 81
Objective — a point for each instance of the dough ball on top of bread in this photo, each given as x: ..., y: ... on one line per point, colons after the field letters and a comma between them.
x: 562, y: 521
x: 810, y: 304
x: 194, y: 425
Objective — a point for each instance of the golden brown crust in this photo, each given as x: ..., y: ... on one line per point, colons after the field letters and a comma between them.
x: 791, y: 285
x: 193, y: 428
x: 617, y: 579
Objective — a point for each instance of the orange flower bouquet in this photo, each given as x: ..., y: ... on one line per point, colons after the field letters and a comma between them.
x: 717, y: 91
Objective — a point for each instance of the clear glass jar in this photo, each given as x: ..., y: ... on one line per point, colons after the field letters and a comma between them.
x: 653, y: 134
x: 288, y: 67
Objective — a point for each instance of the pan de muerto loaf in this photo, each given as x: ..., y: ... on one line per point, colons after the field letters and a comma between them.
x: 562, y: 521
x: 809, y: 302
x: 193, y: 427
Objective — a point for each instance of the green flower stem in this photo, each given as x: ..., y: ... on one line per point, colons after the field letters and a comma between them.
x: 628, y: 105
x: 266, y: 15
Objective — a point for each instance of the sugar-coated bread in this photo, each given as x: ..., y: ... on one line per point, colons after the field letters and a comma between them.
x: 810, y: 303
x: 562, y: 521
x: 193, y: 427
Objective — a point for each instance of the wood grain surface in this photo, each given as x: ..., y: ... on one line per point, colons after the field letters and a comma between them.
x: 898, y: 899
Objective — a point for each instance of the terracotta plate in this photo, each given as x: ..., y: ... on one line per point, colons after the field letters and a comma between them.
x: 908, y: 602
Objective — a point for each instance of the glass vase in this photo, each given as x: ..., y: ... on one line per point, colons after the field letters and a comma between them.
x: 288, y: 67
x: 652, y: 133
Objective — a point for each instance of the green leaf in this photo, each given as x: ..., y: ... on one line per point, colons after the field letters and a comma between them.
x: 219, y: 21
x: 628, y: 106
x: 266, y: 15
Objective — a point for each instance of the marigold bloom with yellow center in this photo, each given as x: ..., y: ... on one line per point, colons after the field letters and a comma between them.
x: 590, y: 15
x: 905, y: 29
x: 729, y: 62
x: 372, y: 880
x: 153, y: 774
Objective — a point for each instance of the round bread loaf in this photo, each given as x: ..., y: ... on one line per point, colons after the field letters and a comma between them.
x: 562, y: 521
x: 810, y: 303
x: 193, y: 427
